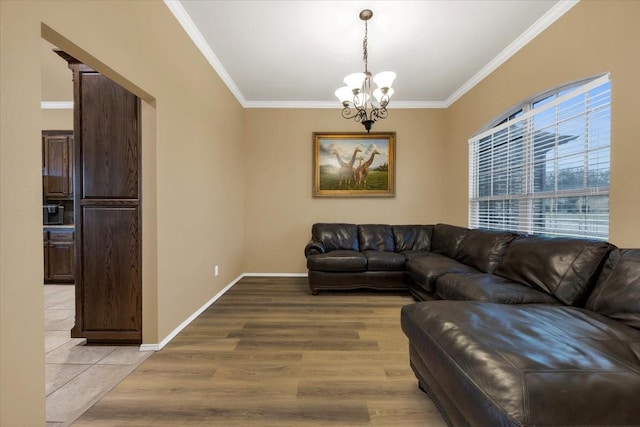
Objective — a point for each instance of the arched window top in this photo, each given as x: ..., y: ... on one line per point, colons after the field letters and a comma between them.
x: 536, y: 101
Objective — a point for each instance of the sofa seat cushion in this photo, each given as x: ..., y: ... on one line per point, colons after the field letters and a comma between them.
x: 529, y: 364
x: 617, y: 294
x: 565, y: 267
x: 425, y: 270
x: 489, y: 288
x: 384, y: 261
x: 339, y: 261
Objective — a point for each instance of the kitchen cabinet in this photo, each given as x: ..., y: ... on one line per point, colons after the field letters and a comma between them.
x: 107, y: 215
x: 57, y: 164
x: 59, y: 255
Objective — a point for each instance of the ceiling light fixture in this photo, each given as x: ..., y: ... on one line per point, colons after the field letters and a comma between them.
x: 356, y: 97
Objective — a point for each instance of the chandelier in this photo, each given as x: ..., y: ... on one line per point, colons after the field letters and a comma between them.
x: 357, y: 98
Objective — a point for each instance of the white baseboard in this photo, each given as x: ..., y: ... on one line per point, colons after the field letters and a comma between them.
x: 198, y: 312
x: 274, y: 275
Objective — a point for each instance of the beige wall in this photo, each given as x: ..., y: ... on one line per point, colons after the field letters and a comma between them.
x: 279, y: 207
x: 592, y: 38
x: 56, y: 119
x: 193, y: 188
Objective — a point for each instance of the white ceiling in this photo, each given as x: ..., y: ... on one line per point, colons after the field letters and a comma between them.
x: 296, y: 53
x: 279, y: 53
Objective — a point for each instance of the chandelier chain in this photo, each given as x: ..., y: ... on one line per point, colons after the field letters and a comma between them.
x: 365, y: 53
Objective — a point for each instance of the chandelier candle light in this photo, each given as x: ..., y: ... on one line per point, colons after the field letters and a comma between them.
x: 356, y: 96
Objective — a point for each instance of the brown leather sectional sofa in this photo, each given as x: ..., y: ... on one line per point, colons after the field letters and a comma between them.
x: 373, y: 256
x: 509, y: 330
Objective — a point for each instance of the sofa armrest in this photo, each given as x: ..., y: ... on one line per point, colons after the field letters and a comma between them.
x: 314, y: 247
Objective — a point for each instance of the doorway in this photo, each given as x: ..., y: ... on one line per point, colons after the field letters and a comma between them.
x: 78, y: 375
x: 95, y: 171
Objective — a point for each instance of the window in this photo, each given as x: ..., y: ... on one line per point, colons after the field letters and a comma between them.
x: 544, y: 168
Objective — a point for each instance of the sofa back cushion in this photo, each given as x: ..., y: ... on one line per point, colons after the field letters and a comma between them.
x: 446, y: 239
x: 617, y: 293
x: 483, y: 249
x: 412, y: 237
x: 564, y: 267
x: 335, y: 236
x: 375, y: 237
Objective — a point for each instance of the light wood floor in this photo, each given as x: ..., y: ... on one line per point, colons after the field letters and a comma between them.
x: 268, y: 353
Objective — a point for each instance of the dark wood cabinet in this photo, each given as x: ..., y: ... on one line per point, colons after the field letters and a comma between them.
x: 107, y: 209
x: 59, y: 255
x: 45, y: 251
x: 57, y: 164
x: 111, y: 291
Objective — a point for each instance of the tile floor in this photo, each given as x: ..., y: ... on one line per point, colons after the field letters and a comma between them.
x: 77, y: 375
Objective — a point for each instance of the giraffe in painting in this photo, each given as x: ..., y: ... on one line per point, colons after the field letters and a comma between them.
x: 363, y: 170
x: 357, y: 173
x: 346, y: 173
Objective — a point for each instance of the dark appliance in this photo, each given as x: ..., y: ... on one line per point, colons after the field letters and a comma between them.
x: 52, y: 214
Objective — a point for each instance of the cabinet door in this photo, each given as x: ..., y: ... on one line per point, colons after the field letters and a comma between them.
x: 111, y: 276
x: 58, y: 166
x: 61, y: 255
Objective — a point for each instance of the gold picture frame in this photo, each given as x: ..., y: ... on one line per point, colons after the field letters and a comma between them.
x: 354, y: 164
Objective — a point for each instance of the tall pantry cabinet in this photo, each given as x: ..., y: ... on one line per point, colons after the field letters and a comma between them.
x: 107, y: 209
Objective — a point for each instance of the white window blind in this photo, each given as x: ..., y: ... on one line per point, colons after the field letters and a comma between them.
x: 546, y: 170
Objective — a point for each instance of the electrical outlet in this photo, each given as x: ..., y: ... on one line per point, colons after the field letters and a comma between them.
x: 215, y: 270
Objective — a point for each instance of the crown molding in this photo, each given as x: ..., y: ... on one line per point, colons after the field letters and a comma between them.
x: 417, y: 104
x: 292, y: 104
x: 338, y: 106
x: 185, y: 20
x: 552, y: 15
x: 56, y: 105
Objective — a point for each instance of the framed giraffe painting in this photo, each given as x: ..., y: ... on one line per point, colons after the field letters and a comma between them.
x: 354, y: 164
